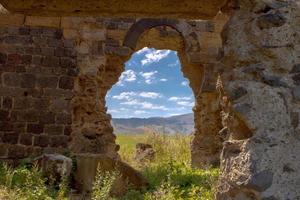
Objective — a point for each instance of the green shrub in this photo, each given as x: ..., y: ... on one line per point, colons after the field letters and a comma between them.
x: 24, y: 183
x: 103, y: 183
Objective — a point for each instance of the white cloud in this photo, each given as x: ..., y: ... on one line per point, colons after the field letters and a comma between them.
x: 127, y: 76
x: 112, y: 111
x: 151, y: 95
x: 153, y: 55
x: 124, y: 95
x: 174, y: 64
x: 179, y: 99
x: 144, y: 105
x: 185, y: 103
x: 139, y: 112
x: 131, y: 102
x: 163, y: 80
x: 149, y: 76
x: 184, y: 83
x: 143, y: 50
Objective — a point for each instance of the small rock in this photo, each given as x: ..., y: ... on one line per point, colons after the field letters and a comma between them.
x: 144, y: 153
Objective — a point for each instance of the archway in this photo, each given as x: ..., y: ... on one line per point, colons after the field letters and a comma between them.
x: 94, y: 132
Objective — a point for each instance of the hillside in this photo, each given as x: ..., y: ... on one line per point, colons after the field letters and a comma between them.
x: 176, y: 124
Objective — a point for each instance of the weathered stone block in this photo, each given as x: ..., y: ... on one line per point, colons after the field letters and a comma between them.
x: 41, y: 140
x: 50, y: 61
x: 52, y: 42
x: 11, y: 79
x: 12, y: 19
x: 47, y: 51
x: 7, y: 103
x: 3, y: 150
x: 4, y: 114
x: 17, y: 151
x: 67, y: 62
x: 22, y: 103
x: 54, y: 129
x: 26, y: 139
x: 59, y: 141
x: 35, y: 128
x: 47, y: 118
x: 63, y: 118
x: 70, y: 33
x: 47, y: 81
x: 120, y: 51
x: 3, y: 58
x: 42, y: 21
x: 28, y: 80
x: 67, y: 130
x: 66, y: 82
x: 6, y: 126
x: 25, y: 116
x: 10, y: 137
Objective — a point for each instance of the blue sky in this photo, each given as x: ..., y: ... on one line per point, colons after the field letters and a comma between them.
x: 152, y: 85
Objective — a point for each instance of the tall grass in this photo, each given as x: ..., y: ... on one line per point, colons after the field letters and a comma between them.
x: 25, y: 183
x: 170, y: 175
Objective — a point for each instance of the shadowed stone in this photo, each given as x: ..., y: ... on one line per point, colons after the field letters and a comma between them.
x: 270, y: 20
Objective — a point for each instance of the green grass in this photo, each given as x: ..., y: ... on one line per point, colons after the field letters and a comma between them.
x: 170, y: 176
x: 27, y: 183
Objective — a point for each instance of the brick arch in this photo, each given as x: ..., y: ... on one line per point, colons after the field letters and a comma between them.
x: 185, y: 29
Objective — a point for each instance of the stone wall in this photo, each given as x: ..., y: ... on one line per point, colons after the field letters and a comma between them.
x: 37, y: 70
x: 253, y: 116
x: 260, y: 102
x: 56, y: 71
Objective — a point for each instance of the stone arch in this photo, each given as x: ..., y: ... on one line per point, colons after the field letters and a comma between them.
x: 185, y: 29
x: 206, y: 145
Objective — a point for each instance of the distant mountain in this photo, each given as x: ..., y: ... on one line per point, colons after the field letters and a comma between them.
x: 183, y: 124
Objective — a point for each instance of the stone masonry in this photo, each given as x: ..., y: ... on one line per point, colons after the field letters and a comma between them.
x: 242, y: 64
x: 56, y: 71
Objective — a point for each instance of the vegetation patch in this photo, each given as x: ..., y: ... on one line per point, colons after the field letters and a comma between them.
x: 170, y: 176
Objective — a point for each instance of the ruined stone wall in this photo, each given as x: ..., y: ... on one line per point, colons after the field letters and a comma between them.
x: 37, y: 70
x: 260, y: 102
x: 56, y: 72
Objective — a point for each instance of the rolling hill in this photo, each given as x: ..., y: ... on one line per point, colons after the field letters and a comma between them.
x: 183, y: 124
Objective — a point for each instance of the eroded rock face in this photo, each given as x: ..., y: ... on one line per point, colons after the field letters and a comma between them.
x: 259, y: 103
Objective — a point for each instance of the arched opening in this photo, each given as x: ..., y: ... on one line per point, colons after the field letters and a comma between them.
x: 93, y: 130
x: 152, y: 101
x: 127, y: 99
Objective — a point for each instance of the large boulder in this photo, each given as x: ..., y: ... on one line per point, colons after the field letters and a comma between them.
x: 86, y: 171
x: 55, y: 166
